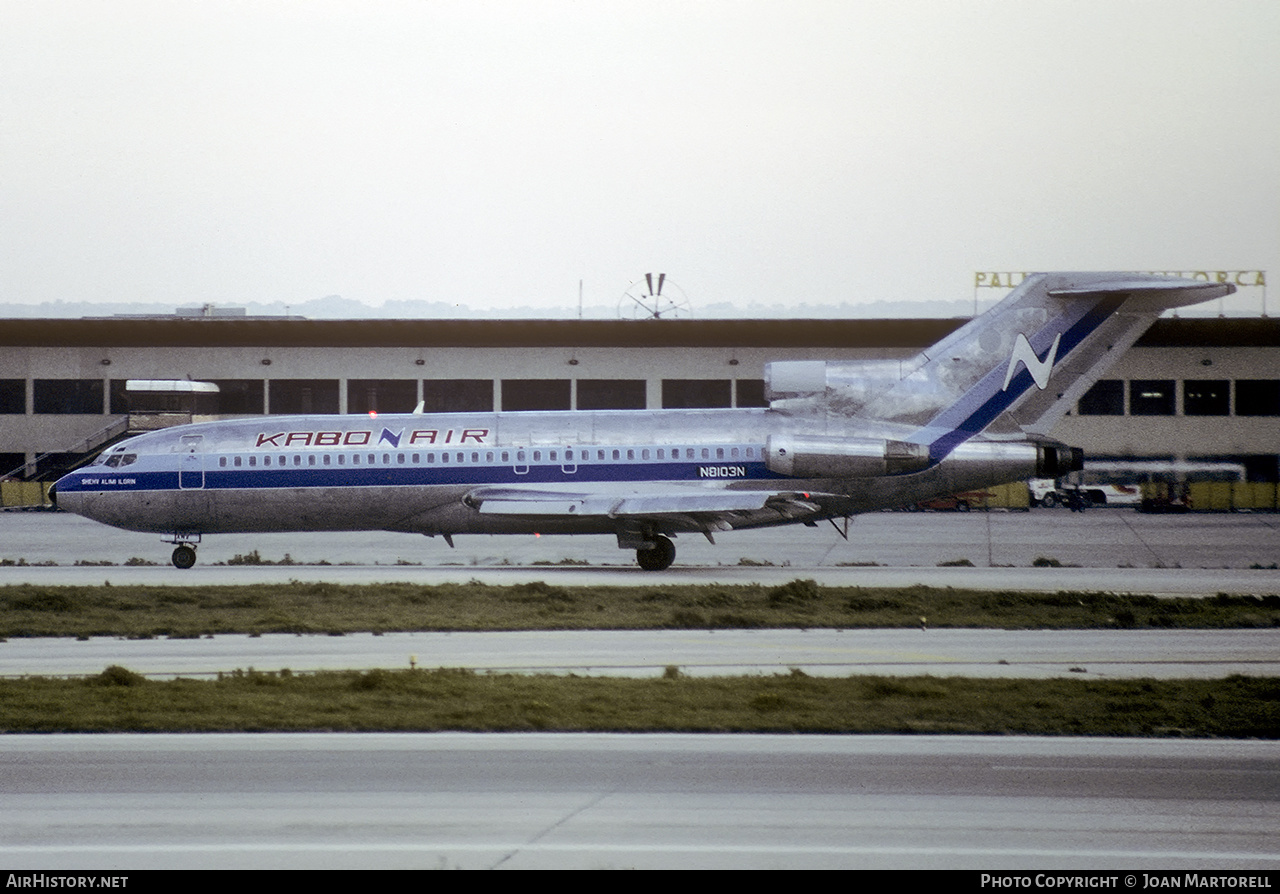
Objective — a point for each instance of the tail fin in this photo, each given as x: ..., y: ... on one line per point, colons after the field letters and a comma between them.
x: 1021, y: 366
x: 1016, y: 369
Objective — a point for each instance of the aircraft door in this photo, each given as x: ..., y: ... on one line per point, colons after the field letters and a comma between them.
x: 191, y: 471
x: 191, y: 465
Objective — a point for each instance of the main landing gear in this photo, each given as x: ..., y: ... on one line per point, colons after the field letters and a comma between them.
x: 657, y: 557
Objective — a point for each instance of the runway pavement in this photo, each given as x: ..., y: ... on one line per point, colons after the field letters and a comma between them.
x: 451, y: 800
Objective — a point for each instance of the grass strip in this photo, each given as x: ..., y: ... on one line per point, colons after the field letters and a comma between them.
x: 119, y: 700
x: 188, y: 611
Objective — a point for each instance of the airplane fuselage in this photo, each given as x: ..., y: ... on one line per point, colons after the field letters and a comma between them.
x: 414, y: 472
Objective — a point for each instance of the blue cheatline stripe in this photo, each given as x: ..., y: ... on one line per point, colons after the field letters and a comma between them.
x: 986, y: 400
x: 417, y: 476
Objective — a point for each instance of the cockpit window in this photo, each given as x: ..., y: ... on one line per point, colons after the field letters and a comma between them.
x: 114, y: 457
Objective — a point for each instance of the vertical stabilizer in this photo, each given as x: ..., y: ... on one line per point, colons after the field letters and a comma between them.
x: 1018, y: 368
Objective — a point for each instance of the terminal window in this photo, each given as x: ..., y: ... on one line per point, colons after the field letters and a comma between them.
x: 1206, y: 397
x: 457, y: 395
x: 117, y: 397
x: 1106, y: 398
x: 68, y: 396
x: 241, y: 397
x: 690, y: 394
x: 1151, y: 397
x: 535, y: 394
x: 381, y: 395
x: 611, y: 394
x: 13, y: 395
x: 1258, y: 397
x: 303, y: 396
x: 751, y: 393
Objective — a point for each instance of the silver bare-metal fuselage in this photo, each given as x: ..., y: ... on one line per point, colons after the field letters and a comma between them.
x: 415, y: 472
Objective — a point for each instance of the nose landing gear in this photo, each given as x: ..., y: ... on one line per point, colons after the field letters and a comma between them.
x: 184, y: 556
x: 184, y: 548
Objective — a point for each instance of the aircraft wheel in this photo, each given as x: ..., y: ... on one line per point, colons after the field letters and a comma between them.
x: 659, y: 557
x: 962, y: 506
x: 183, y: 556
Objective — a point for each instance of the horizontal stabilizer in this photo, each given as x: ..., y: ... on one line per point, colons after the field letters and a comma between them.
x: 1163, y: 294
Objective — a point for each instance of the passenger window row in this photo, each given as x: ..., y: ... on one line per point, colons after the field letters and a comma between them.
x: 518, y: 456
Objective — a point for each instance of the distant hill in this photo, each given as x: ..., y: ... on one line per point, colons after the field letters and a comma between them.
x: 335, y: 307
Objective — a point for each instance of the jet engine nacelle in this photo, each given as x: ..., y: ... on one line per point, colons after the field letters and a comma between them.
x: 809, y: 456
x: 996, y: 462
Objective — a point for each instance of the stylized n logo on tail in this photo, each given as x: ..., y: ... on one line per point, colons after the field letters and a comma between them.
x: 1039, y: 369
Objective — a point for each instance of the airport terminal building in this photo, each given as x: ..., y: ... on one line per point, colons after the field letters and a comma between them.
x: 1200, y: 390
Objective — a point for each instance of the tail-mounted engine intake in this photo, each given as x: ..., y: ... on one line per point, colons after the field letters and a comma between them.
x: 806, y: 456
x: 856, y: 380
x: 1056, y: 460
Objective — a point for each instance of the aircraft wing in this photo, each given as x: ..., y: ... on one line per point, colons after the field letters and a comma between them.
x: 700, y: 507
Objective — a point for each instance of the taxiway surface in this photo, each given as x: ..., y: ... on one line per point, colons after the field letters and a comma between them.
x: 1115, y: 550
x: 1035, y: 654
x: 1099, y: 538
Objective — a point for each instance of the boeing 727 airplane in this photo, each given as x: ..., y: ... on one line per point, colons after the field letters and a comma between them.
x: 838, y: 438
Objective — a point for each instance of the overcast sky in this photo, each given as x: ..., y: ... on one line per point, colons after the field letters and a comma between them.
x: 496, y: 153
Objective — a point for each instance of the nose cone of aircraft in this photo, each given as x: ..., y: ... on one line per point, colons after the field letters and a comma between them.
x: 62, y: 492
